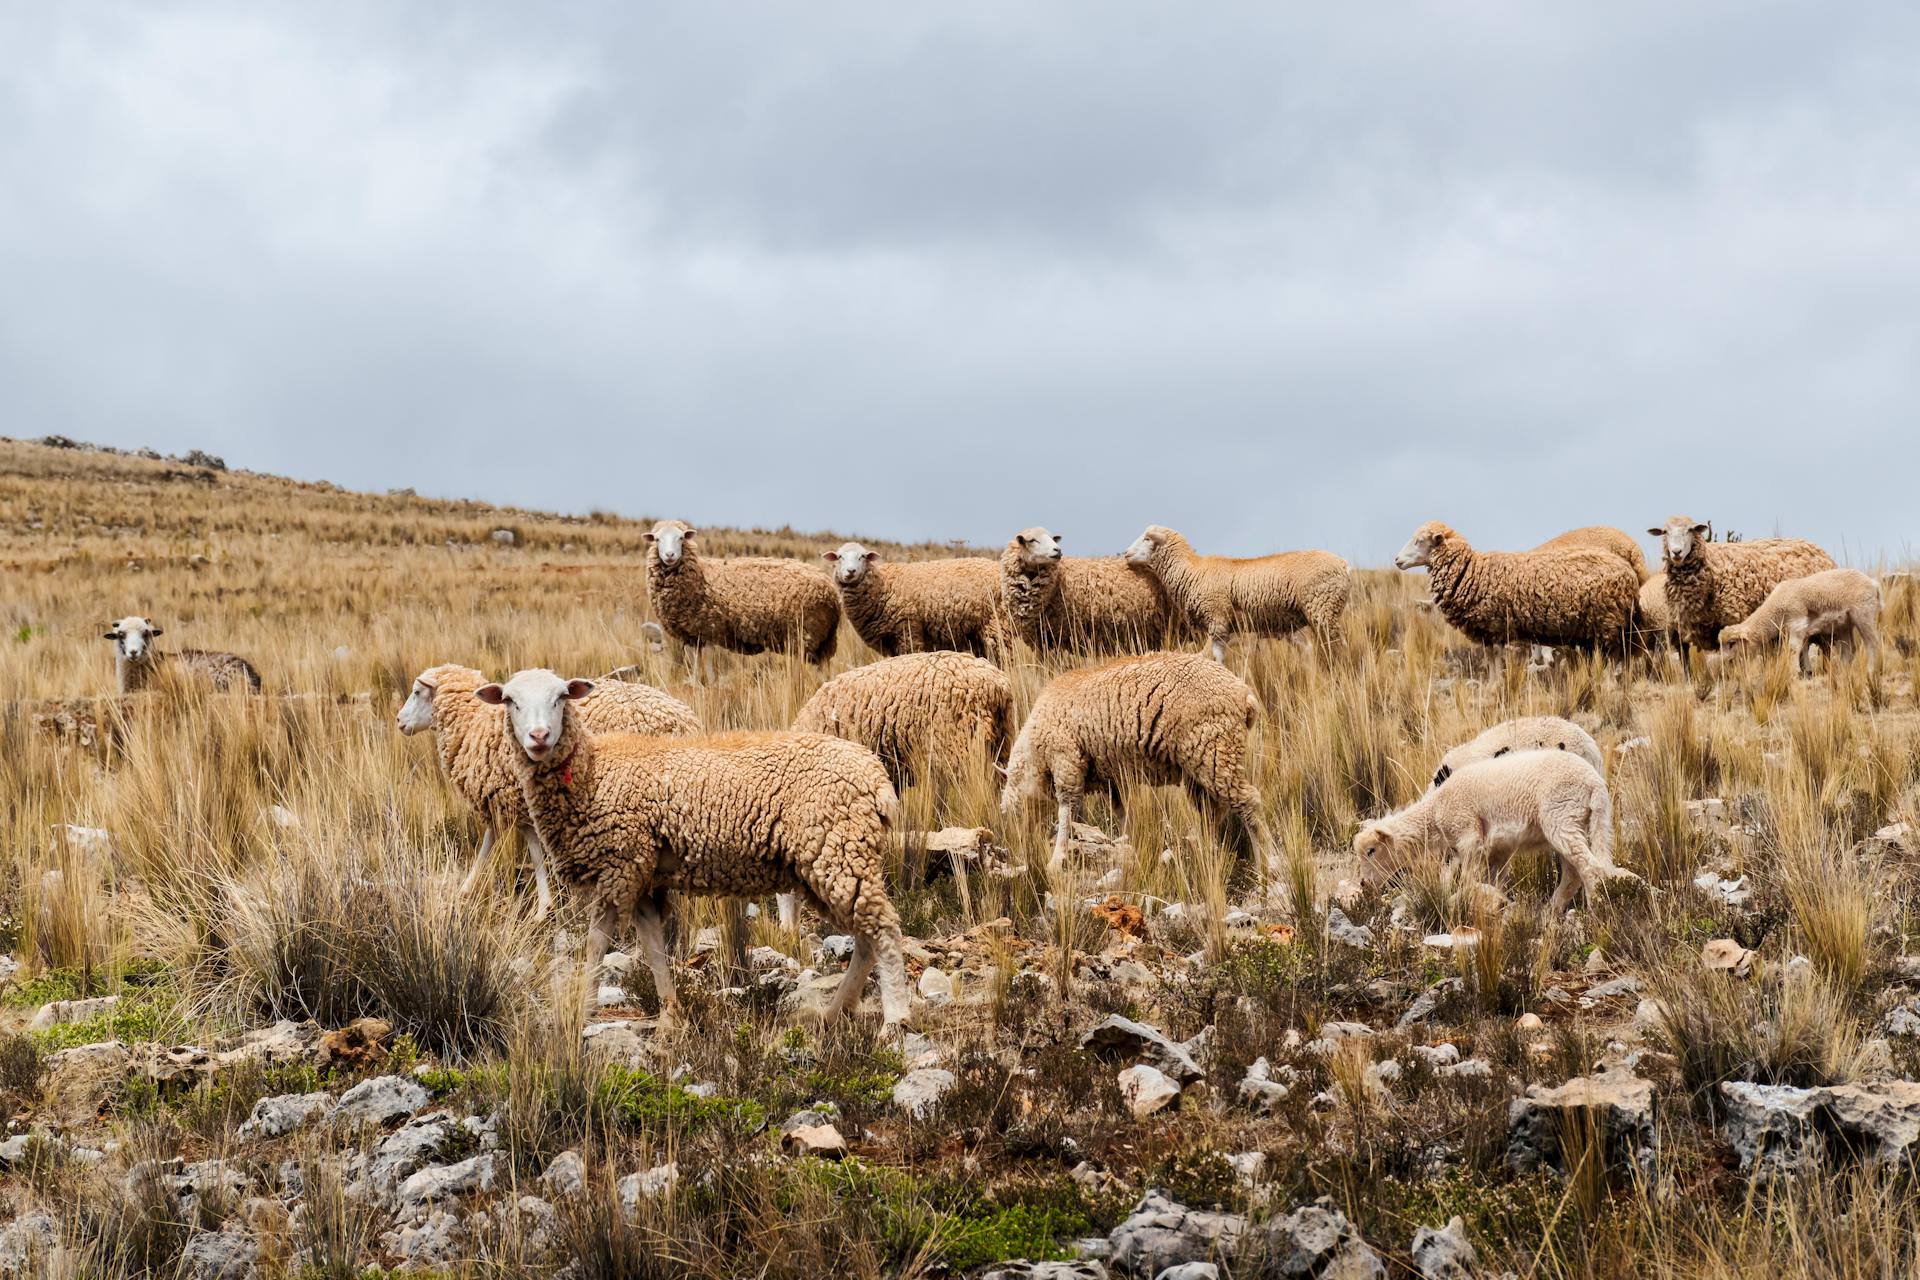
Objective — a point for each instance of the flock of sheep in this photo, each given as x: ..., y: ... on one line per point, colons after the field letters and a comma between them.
x: 618, y: 789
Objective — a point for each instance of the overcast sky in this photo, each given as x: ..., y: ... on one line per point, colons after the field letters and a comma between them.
x: 1277, y: 275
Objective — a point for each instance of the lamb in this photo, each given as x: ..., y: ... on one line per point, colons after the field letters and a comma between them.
x: 1270, y: 595
x: 748, y: 604
x: 1528, y: 733
x: 919, y: 605
x: 1568, y: 596
x: 741, y: 814
x: 136, y: 660
x: 1601, y: 537
x: 1495, y: 808
x: 1102, y: 604
x: 1158, y: 718
x: 1835, y: 605
x: 931, y: 712
x: 1711, y: 585
x: 479, y: 762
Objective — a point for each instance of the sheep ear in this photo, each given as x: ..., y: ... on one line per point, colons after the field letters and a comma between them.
x: 491, y: 694
x: 649, y: 536
x: 111, y: 635
x: 1023, y: 539
x: 831, y: 557
x: 872, y: 556
x: 1704, y: 530
x: 156, y: 631
x: 689, y: 533
x: 577, y: 689
x: 1656, y: 532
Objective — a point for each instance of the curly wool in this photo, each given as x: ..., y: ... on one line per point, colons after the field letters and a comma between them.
x: 1098, y: 604
x: 1718, y: 584
x: 1267, y: 595
x: 940, y: 711
x: 1656, y: 620
x: 1159, y: 718
x: 1602, y: 537
x: 1577, y: 597
x: 223, y: 671
x: 1834, y: 604
x: 749, y: 604
x: 1527, y: 733
x: 923, y: 605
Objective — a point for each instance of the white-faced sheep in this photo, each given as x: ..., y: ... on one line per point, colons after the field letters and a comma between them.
x: 1601, y: 537
x: 1711, y: 585
x: 1570, y: 596
x: 926, y: 715
x: 1268, y: 595
x: 919, y: 605
x: 1528, y: 733
x: 745, y: 814
x: 748, y: 604
x: 136, y: 660
x: 1838, y: 607
x: 1158, y: 719
x: 1100, y: 603
x: 1497, y: 808
x: 478, y: 759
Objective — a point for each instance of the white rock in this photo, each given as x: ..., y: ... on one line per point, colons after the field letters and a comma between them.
x: 935, y: 986
x: 566, y: 1174
x: 60, y: 1012
x: 919, y: 1091
x: 1147, y: 1089
x: 610, y: 996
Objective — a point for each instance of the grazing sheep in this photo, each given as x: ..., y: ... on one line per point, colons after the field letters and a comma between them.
x: 1271, y: 595
x: 1528, y: 733
x: 740, y: 814
x: 1497, y: 808
x: 1833, y: 606
x: 921, y: 605
x: 1159, y: 718
x: 1571, y: 596
x: 1076, y: 602
x: 1711, y: 585
x: 748, y: 604
x: 936, y: 711
x: 136, y: 660
x: 478, y: 761
x: 1656, y: 620
x: 1601, y: 537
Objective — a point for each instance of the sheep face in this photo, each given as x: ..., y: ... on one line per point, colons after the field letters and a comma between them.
x: 1680, y: 538
x: 1734, y: 636
x: 1141, y: 552
x: 1421, y: 546
x: 850, y: 563
x: 1038, y: 546
x: 1379, y: 858
x: 669, y: 541
x: 1023, y: 779
x: 133, y: 637
x: 416, y: 713
x: 536, y: 703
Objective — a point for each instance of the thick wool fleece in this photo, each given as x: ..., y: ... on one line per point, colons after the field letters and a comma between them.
x: 1159, y: 718
x: 1268, y: 595
x: 1528, y: 733
x: 1086, y: 604
x: 223, y: 671
x: 1602, y: 537
x: 925, y: 605
x: 1656, y: 620
x: 1496, y: 808
x: 935, y: 711
x: 1834, y: 605
x: 748, y: 605
x: 1577, y: 597
x: 1721, y: 583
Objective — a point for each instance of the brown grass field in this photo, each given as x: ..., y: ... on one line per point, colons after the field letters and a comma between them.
x: 292, y: 856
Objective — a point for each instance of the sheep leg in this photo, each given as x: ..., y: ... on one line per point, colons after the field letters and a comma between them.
x: 1062, y: 835
x: 543, y: 891
x: 847, y: 994
x: 653, y: 946
x: 789, y: 904
x: 894, y: 1008
x: 480, y: 861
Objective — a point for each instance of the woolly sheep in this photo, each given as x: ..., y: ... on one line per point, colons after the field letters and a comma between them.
x: 1158, y: 718
x: 478, y: 761
x: 1711, y: 585
x: 1571, y: 596
x: 748, y: 604
x: 1656, y: 620
x: 136, y: 660
x: 1601, y: 537
x: 933, y: 710
x: 1528, y: 733
x: 1835, y: 605
x: 1075, y: 602
x: 1496, y: 808
x: 1268, y: 595
x: 740, y: 814
x: 919, y: 605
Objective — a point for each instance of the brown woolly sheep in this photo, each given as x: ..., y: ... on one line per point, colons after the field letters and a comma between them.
x: 919, y: 605
x: 921, y: 711
x: 1711, y: 585
x: 1527, y: 733
x: 748, y: 604
x: 1098, y: 604
x: 136, y: 660
x: 1269, y: 595
x: 1601, y: 537
x: 1835, y: 606
x: 1575, y: 596
x: 1656, y: 620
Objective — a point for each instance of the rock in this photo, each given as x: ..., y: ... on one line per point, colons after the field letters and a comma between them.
x: 1344, y: 1030
x: 838, y: 946
x: 505, y: 537
x: 1445, y: 1253
x: 1428, y: 1002
x: 1341, y: 929
x: 1249, y: 1167
x: 61, y: 1012
x: 221, y: 1255
x: 1735, y: 893
x: 13, y: 1152
x: 919, y: 1091
x: 1783, y: 1129
x: 1725, y: 954
x: 610, y: 996
x: 282, y: 1044
x: 616, y: 1042
x: 444, y: 1237
x: 1616, y: 1106
x: 1614, y: 988
x: 636, y: 1187
x: 935, y: 987
x: 1528, y: 1022
x: 286, y: 1112
x: 1466, y: 1069
x: 566, y: 1174
x: 1147, y: 1090
x: 1123, y: 1037
x: 411, y: 1147
x: 1437, y: 1055
x: 1259, y: 1090
x: 1902, y: 1019
x: 1631, y: 745
x: 445, y: 1181
x: 380, y: 1101
x: 1190, y: 1271
x: 821, y: 1140
x: 1024, y: 1270
x: 1459, y: 939
x: 1161, y: 1233
x: 30, y: 1246
x: 817, y: 1114
x: 1317, y: 1240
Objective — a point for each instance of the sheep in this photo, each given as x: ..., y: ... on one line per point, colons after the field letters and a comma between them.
x: 1601, y: 537
x: 1101, y: 604
x: 919, y: 605
x: 746, y: 604
x: 1157, y: 718
x: 1656, y: 620
x: 479, y: 763
x: 1711, y: 585
x: 1495, y: 808
x: 932, y: 710
x: 1269, y: 595
x: 1835, y: 605
x: 1568, y: 596
x: 136, y: 660
x: 1528, y: 733
x: 635, y: 818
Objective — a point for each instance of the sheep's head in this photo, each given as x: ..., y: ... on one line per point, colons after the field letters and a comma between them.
x: 1022, y: 777
x: 536, y: 703
x: 416, y: 713
x: 1379, y: 857
x: 133, y: 637
x: 1427, y: 539
x: 850, y: 563
x: 670, y: 541
x: 1680, y: 538
x: 1155, y: 537
x: 1037, y: 546
x: 1735, y: 636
